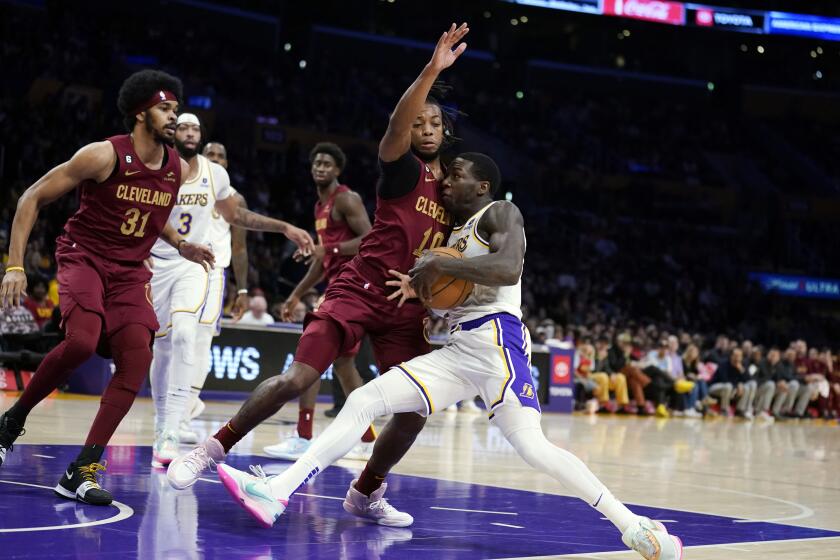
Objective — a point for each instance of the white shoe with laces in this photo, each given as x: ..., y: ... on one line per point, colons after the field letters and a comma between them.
x: 186, y: 434
x: 650, y: 539
x: 375, y: 507
x: 165, y: 448
x: 290, y: 449
x: 184, y: 471
x: 253, y: 493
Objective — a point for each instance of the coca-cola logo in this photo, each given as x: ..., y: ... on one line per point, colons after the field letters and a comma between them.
x: 651, y: 10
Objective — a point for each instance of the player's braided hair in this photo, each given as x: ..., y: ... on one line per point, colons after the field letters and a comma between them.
x: 140, y: 86
x: 449, y: 114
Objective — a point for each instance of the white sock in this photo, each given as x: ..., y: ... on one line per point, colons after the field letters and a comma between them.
x: 159, y: 377
x: 203, y: 343
x: 388, y: 394
x: 182, y: 370
x: 521, y: 427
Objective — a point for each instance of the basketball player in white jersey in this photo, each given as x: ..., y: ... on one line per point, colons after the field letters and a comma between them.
x: 230, y: 247
x: 488, y: 353
x: 179, y: 289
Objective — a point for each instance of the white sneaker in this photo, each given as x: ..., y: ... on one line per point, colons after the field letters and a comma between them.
x: 651, y: 543
x: 291, y: 448
x: 185, y: 470
x: 198, y: 407
x: 361, y: 452
x: 375, y: 507
x: 186, y: 434
x: 693, y: 413
x: 470, y: 407
x: 165, y: 448
x: 766, y: 416
x: 253, y: 493
x: 451, y: 408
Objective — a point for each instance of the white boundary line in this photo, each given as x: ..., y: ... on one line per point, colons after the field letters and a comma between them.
x: 475, y: 510
x: 124, y: 513
x: 506, y: 525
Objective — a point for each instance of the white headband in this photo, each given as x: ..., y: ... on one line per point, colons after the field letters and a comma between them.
x: 188, y: 118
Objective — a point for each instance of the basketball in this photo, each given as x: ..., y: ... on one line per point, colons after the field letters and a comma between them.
x: 449, y: 292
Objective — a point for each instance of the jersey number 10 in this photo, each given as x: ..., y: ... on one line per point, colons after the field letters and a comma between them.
x: 437, y: 241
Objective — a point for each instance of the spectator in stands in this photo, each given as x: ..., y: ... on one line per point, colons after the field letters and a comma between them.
x: 619, y: 357
x: 608, y: 380
x: 728, y: 381
x: 769, y: 370
x: 256, y: 314
x: 720, y: 353
x: 586, y: 387
x: 787, y: 385
x: 38, y: 303
x: 697, y: 398
x: 811, y: 374
x: 826, y: 399
x: 657, y: 367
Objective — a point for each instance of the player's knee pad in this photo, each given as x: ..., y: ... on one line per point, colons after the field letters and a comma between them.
x: 184, y: 333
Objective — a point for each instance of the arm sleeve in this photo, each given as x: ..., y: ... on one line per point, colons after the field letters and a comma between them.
x: 399, y: 177
x: 221, y: 181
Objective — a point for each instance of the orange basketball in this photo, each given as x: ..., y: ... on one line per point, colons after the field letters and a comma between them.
x: 449, y: 292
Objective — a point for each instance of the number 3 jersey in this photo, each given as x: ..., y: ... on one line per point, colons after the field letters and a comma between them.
x: 193, y: 214
x: 121, y: 218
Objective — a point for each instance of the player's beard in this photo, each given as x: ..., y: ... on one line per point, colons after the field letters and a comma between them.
x: 156, y: 134
x: 186, y: 153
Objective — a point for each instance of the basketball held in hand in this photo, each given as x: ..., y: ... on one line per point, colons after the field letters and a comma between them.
x: 449, y: 292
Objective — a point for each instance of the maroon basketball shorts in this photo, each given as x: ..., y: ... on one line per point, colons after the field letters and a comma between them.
x: 119, y: 292
x: 352, y: 307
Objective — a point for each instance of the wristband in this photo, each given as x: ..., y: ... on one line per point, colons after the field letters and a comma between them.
x: 179, y: 245
x: 15, y: 269
x: 240, y: 292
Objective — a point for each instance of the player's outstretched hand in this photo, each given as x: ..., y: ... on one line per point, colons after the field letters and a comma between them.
x: 288, y: 308
x: 318, y: 253
x: 403, y: 285
x: 300, y: 238
x: 200, y: 254
x: 240, y: 306
x: 12, y: 288
x: 425, y: 273
x: 444, y: 56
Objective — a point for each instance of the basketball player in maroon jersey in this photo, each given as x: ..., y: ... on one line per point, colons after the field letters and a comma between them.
x: 341, y: 221
x: 408, y: 220
x: 128, y: 186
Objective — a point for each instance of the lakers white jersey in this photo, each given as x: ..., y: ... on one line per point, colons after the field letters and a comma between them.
x: 484, y: 300
x: 192, y: 215
x: 220, y: 238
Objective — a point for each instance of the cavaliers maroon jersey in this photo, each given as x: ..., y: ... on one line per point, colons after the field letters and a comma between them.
x: 331, y: 232
x: 122, y: 217
x: 403, y: 228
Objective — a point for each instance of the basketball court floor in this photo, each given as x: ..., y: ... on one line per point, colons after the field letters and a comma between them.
x: 729, y: 489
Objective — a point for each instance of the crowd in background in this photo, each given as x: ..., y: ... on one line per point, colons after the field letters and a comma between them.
x: 603, y: 263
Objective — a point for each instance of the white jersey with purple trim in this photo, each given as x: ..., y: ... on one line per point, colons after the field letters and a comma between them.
x: 484, y: 300
x: 192, y: 215
x: 220, y: 238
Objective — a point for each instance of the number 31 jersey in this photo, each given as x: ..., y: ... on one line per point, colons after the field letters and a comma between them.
x: 192, y: 216
x: 121, y: 218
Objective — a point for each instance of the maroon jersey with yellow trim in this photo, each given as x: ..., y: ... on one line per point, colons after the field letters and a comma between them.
x: 331, y: 232
x: 403, y: 228
x: 122, y: 217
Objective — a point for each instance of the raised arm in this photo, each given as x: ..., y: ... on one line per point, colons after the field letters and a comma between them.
x: 94, y: 161
x: 397, y: 139
x: 503, y: 225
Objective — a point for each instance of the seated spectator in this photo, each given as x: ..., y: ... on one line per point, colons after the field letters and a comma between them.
x: 728, y: 381
x: 619, y: 358
x: 256, y: 314
x: 827, y: 400
x: 811, y: 374
x: 38, y: 303
x: 608, y: 380
x: 769, y: 371
x: 698, y: 398
x: 787, y: 385
x: 585, y: 385
x: 657, y: 366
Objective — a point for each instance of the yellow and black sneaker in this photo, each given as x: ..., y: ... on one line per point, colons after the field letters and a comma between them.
x: 10, y: 430
x: 81, y: 482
